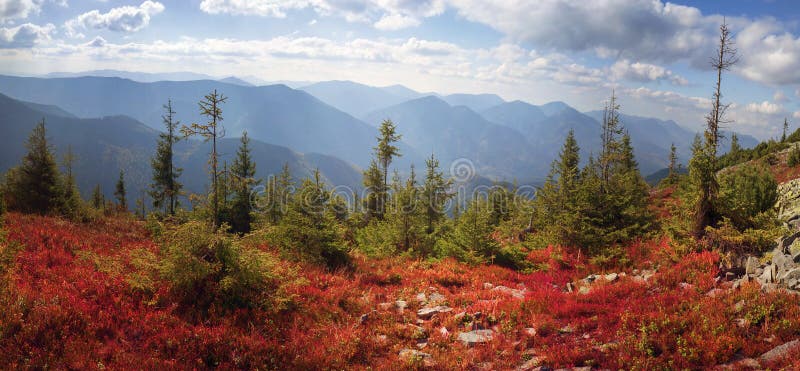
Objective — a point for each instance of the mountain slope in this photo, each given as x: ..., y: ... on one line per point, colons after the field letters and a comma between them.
x: 274, y: 114
x: 357, y: 99
x: 431, y: 125
x: 103, y: 146
x: 475, y: 102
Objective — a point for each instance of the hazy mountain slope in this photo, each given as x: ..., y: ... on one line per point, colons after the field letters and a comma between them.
x: 105, y: 145
x: 475, y: 102
x: 356, y: 99
x: 136, y: 76
x: 274, y: 114
x: 518, y: 115
x: 431, y: 125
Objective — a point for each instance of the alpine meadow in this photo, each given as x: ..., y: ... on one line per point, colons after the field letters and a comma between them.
x: 399, y: 185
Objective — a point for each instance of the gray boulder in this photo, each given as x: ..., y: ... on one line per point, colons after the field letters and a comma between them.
x: 475, y: 337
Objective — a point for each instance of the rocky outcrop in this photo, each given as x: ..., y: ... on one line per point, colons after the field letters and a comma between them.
x: 788, y: 204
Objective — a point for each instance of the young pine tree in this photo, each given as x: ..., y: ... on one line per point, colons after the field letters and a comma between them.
x: 471, y: 239
x: 672, y: 175
x: 73, y: 203
x: 374, y: 201
x: 278, y: 193
x: 35, y: 186
x: 378, y: 189
x: 404, y: 214
x: 210, y: 107
x: 165, y: 187
x: 435, y: 194
x: 243, y: 174
x: 120, y: 193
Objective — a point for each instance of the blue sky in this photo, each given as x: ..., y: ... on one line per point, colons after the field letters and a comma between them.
x: 654, y: 54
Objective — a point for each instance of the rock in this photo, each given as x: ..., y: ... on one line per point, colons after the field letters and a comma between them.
x: 475, y: 336
x: 517, y: 294
x: 566, y: 329
x: 530, y: 331
x: 583, y: 290
x: 436, y: 298
x: 738, y: 306
x: 385, y: 306
x: 780, y: 352
x: 787, y: 241
x: 530, y: 364
x: 418, y: 332
x: 421, y: 297
x: 714, y: 292
x: 611, y: 277
x: 789, y: 276
x: 751, y: 265
x: 427, y: 313
x: 443, y: 331
x: 590, y: 278
x: 570, y: 288
x: 413, y: 356
x: 363, y: 319
x: 796, y: 257
x: 781, y: 261
x: 400, y: 305
x: 685, y: 286
x: 768, y: 275
x: 487, y: 286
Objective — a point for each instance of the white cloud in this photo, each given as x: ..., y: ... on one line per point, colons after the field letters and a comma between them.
x: 644, y: 72
x: 14, y: 9
x: 764, y: 107
x: 779, y: 96
x: 395, y: 22
x: 768, y: 56
x: 121, y: 19
x: 25, y: 35
x: 796, y: 115
x: 382, y: 14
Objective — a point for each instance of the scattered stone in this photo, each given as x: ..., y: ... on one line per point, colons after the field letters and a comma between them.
x: 584, y: 290
x: 566, y: 329
x: 443, y: 331
x: 611, y: 277
x: 418, y: 332
x: 685, y: 286
x: 421, y: 297
x: 741, y: 322
x: 738, y: 306
x: 400, y: 305
x: 487, y: 286
x: 780, y: 352
x: 413, y: 356
x: 590, y: 278
x: 363, y: 319
x: 427, y: 313
x: 475, y: 336
x: 530, y: 364
x: 570, y: 288
x: 517, y: 294
x: 436, y: 298
x: 714, y: 292
x: 385, y: 306
x: 530, y: 331
x: 751, y: 265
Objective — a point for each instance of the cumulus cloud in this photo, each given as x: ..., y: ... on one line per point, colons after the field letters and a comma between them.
x: 637, y: 29
x: 382, y: 14
x: 121, y: 19
x: 13, y: 9
x: 25, y: 35
x: 764, y: 107
x: 767, y: 55
x: 644, y: 72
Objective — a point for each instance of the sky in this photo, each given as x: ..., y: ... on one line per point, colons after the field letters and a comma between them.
x: 654, y: 55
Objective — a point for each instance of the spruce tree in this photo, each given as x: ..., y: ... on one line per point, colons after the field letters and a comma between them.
x: 278, y: 192
x: 98, y: 201
x: 435, y: 194
x: 556, y: 204
x: 212, y: 130
x: 120, y: 193
x: 785, y: 129
x: 73, y: 204
x: 165, y: 187
x: 35, y: 186
x: 672, y: 175
x: 243, y: 172
x: 385, y: 152
x: 374, y: 201
x: 404, y: 214
x: 471, y: 238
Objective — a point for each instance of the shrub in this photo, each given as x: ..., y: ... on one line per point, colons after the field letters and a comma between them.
x: 209, y: 268
x: 746, y: 192
x: 794, y: 156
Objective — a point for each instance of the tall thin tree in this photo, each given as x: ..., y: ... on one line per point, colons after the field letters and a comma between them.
x: 243, y: 174
x: 724, y: 58
x: 120, y: 193
x: 210, y: 107
x: 165, y: 187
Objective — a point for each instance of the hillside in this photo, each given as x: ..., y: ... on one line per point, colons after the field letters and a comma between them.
x: 103, y: 146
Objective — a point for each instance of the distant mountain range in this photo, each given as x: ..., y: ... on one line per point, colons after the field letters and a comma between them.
x: 103, y: 146
x: 337, y: 121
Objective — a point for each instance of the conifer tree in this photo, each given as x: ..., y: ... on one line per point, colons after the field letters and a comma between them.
x: 279, y: 190
x: 385, y: 152
x: 435, y: 194
x: 556, y: 204
x: 35, y: 186
x: 73, y: 203
x: 374, y: 201
x: 165, y: 187
x: 210, y: 107
x: 120, y: 193
x: 611, y: 129
x: 703, y: 170
x: 243, y: 172
x: 405, y: 214
x: 672, y: 175
x: 307, y: 231
x: 98, y: 201
x: 471, y: 238
x: 785, y: 129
